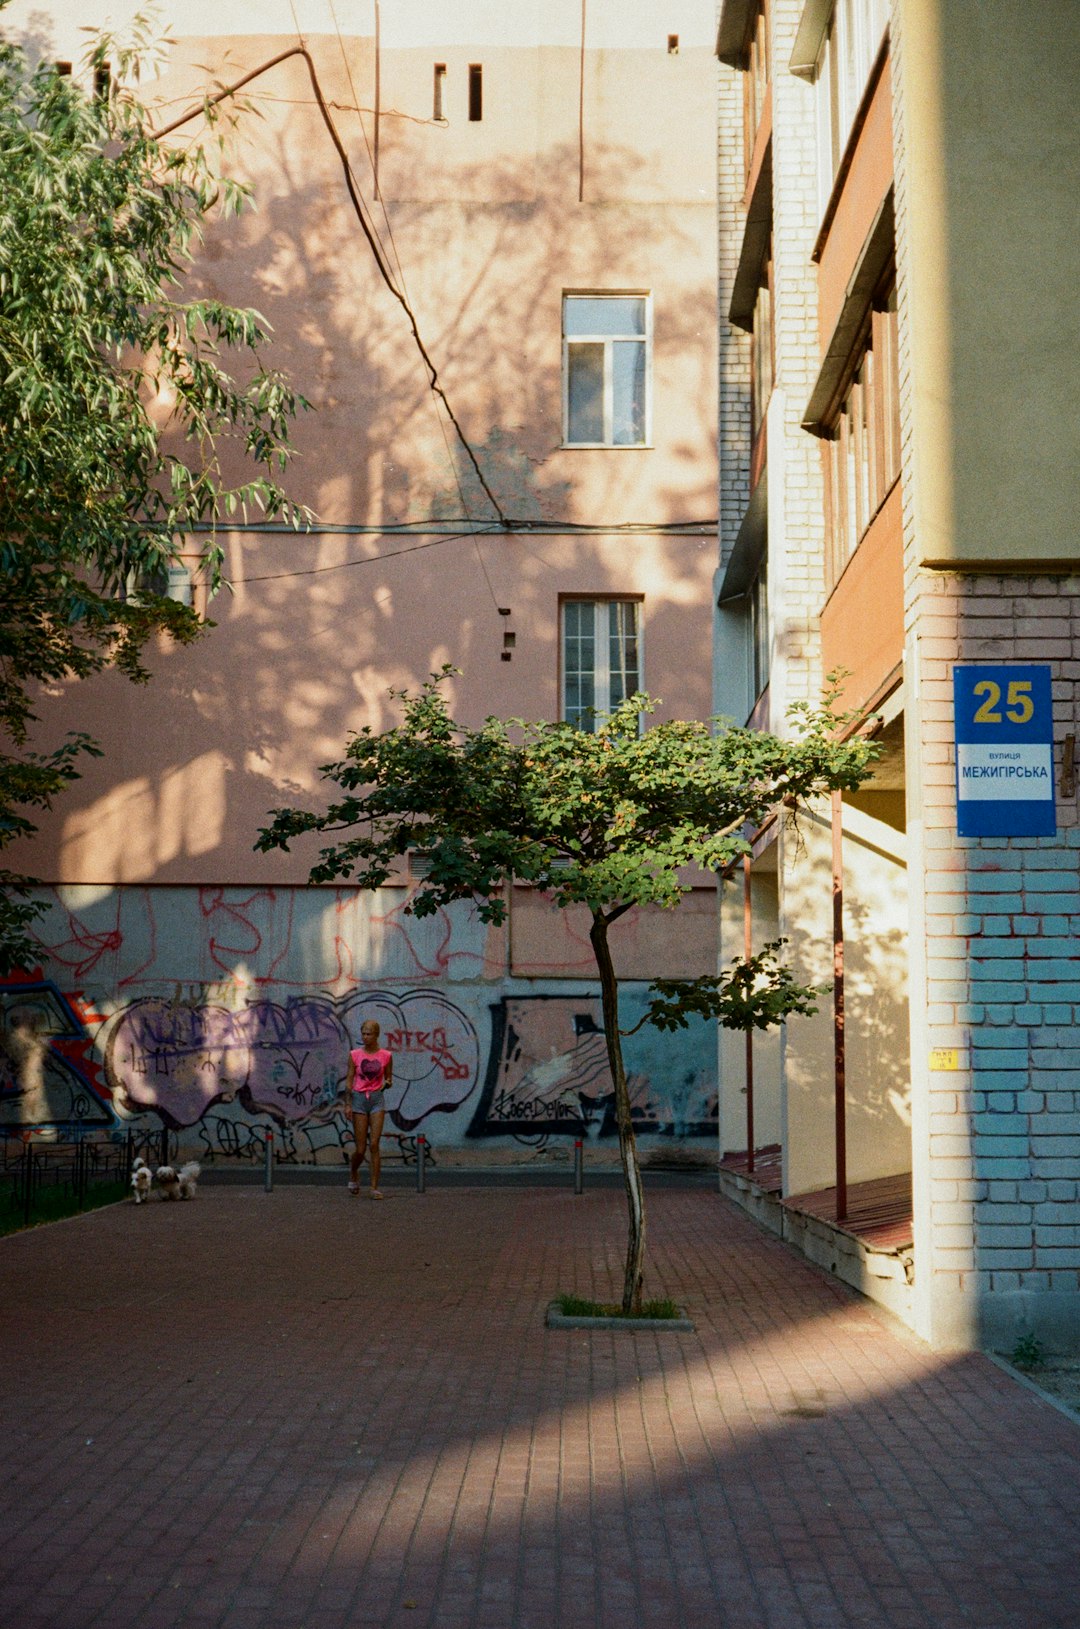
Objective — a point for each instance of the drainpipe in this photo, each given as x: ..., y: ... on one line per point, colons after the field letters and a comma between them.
x: 838, y: 1003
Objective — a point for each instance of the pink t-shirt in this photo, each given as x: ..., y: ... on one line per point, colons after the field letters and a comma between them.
x: 370, y: 1069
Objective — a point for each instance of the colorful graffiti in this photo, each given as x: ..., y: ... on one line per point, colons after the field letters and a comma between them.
x: 548, y: 1073
x: 49, y: 1076
x: 205, y: 1013
x: 287, y: 1060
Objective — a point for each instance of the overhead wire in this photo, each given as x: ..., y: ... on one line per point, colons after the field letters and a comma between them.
x: 374, y: 243
x: 366, y: 560
x: 401, y: 273
x: 508, y: 523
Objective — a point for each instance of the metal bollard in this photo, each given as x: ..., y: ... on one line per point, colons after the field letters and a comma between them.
x: 268, y: 1163
x: 164, y: 1145
x: 579, y: 1166
x: 421, y: 1157
x: 27, y: 1177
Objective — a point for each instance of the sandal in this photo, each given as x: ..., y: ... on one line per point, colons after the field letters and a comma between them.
x: 354, y: 1188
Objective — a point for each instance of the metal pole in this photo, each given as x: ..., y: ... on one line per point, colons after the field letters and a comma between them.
x: 28, y: 1178
x: 579, y: 1166
x: 838, y: 1004
x: 164, y: 1145
x: 421, y: 1155
x: 129, y: 1155
x: 268, y: 1163
x: 748, y: 951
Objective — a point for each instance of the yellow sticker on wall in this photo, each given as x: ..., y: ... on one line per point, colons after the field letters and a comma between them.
x: 945, y: 1057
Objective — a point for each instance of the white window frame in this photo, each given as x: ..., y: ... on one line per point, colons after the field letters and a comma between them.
x: 601, y: 654
x: 608, y: 341
x: 851, y: 37
x: 759, y: 632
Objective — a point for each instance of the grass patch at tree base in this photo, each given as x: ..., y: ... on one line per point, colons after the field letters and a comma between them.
x: 575, y: 1306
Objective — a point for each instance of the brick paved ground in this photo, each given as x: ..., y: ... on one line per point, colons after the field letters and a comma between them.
x: 300, y: 1410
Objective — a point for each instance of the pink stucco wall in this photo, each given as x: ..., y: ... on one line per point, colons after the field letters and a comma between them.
x: 484, y: 226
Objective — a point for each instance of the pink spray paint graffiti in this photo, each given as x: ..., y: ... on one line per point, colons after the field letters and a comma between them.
x: 287, y: 1060
x: 435, y: 1047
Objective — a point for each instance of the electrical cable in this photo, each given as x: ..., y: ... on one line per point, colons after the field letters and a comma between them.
x: 358, y: 208
x: 367, y: 144
x: 368, y: 560
x: 508, y: 523
x: 467, y: 526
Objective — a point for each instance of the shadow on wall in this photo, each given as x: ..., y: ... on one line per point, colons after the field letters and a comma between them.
x: 316, y: 628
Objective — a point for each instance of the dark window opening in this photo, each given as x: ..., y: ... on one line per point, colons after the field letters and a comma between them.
x: 673, y: 45
x: 102, y: 81
x: 439, y: 111
x: 476, y: 92
x: 64, y: 70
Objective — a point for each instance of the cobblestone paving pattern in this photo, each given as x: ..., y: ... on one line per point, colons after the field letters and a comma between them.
x: 303, y: 1410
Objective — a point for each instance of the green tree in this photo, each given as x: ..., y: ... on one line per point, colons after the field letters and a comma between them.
x: 118, y: 416
x: 604, y: 820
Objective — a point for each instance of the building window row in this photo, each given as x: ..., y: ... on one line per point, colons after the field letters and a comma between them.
x: 756, y: 80
x: 759, y: 640
x: 761, y: 349
x: 850, y: 45
x: 862, y: 455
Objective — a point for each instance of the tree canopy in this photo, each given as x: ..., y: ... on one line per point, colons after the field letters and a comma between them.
x: 117, y: 407
x: 605, y: 819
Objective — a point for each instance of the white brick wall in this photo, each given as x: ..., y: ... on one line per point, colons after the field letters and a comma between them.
x: 995, y: 970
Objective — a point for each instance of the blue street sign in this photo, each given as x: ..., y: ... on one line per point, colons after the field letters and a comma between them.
x: 1004, y: 751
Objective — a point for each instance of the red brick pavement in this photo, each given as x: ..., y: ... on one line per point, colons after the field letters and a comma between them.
x: 301, y: 1411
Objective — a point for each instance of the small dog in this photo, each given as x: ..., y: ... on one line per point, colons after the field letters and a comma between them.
x: 187, y: 1178
x: 168, y: 1182
x: 141, y: 1178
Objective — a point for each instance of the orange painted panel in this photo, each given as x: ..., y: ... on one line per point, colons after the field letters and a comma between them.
x: 862, y: 625
x: 868, y: 179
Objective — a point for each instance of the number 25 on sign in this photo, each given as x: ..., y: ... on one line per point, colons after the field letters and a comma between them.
x: 1019, y: 707
x: 1004, y: 751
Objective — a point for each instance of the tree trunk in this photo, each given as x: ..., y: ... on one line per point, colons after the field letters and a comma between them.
x: 635, y: 1199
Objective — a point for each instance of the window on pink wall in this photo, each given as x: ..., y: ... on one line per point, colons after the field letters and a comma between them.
x: 607, y: 365
x: 601, y: 658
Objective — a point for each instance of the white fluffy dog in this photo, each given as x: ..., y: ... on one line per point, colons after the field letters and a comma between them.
x: 141, y: 1179
x: 168, y: 1182
x: 187, y: 1177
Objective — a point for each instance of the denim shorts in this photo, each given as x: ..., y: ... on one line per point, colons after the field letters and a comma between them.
x: 368, y: 1102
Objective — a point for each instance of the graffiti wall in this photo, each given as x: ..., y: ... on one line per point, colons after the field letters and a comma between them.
x: 222, y: 1015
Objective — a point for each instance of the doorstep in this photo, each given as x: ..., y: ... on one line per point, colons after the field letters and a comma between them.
x: 871, y: 1250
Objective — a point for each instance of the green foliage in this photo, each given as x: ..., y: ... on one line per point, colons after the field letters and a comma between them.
x: 56, y: 1204
x: 576, y: 1306
x: 605, y: 820
x: 116, y: 406
x: 1028, y: 1352
x: 755, y: 992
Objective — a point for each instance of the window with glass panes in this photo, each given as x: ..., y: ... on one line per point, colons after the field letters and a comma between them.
x: 606, y: 357
x: 862, y: 454
x: 758, y: 598
x: 601, y: 658
x: 756, y: 82
x: 849, y: 45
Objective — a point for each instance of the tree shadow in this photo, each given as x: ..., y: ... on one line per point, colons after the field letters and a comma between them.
x: 315, y: 629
